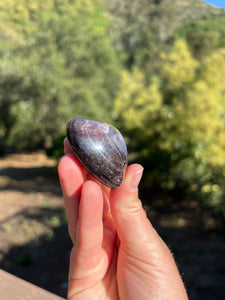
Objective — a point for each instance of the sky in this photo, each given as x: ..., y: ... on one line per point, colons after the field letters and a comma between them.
x: 217, y: 3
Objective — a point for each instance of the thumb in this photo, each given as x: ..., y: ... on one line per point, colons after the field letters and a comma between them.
x: 129, y: 217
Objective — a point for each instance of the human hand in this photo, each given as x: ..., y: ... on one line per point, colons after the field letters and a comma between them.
x: 116, y: 252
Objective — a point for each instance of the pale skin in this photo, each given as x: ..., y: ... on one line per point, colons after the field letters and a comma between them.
x: 116, y: 253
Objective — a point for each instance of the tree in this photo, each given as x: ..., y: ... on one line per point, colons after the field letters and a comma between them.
x: 203, y: 36
x: 176, y: 124
x: 22, y: 15
x: 65, y: 67
x: 141, y: 30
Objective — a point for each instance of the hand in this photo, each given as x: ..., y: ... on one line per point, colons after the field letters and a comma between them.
x: 117, y: 254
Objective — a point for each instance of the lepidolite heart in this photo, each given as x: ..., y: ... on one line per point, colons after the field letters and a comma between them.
x: 101, y: 149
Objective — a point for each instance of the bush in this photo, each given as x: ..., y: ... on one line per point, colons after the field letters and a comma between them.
x: 57, y: 148
x: 176, y: 124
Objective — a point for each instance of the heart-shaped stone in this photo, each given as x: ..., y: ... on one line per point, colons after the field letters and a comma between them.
x: 101, y: 149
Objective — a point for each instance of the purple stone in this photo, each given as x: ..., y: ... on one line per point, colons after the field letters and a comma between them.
x: 101, y: 149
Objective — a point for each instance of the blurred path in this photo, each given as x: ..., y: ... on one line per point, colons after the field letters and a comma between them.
x: 23, y: 174
x: 34, y: 244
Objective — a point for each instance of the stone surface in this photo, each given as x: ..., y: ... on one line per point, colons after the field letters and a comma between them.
x: 101, y: 149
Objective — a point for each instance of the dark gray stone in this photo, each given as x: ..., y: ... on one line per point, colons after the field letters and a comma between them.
x: 101, y: 149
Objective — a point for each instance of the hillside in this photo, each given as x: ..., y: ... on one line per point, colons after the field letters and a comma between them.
x: 196, y: 9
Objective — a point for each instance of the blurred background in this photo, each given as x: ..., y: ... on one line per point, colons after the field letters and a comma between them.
x: 155, y: 69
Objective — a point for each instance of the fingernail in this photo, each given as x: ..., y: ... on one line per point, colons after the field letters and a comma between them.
x: 136, y: 178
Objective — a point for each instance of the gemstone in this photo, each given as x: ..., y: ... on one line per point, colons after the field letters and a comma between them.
x: 101, y: 149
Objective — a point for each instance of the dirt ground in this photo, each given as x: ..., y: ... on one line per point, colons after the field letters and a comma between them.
x: 34, y: 242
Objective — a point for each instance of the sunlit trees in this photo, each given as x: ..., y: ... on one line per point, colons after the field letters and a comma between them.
x: 141, y: 29
x: 203, y: 36
x: 22, y: 15
x: 177, y: 124
x: 65, y: 67
x: 57, y: 61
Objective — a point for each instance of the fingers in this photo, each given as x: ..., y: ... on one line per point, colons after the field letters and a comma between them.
x: 90, y: 227
x: 88, y: 176
x: 129, y: 217
x: 67, y: 148
x: 71, y: 180
x: 86, y: 257
x: 72, y: 175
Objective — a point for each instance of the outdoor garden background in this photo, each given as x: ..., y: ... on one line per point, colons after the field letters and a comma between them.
x: 155, y: 69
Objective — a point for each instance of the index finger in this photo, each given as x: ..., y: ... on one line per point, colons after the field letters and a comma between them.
x: 71, y: 180
x: 67, y: 148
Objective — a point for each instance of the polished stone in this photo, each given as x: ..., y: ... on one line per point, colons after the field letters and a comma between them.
x: 101, y: 149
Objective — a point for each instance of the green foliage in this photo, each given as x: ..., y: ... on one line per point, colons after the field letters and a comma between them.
x: 176, y: 124
x: 203, y: 36
x: 64, y: 67
x: 57, y: 148
x: 22, y: 16
x: 134, y: 105
x: 178, y: 68
x: 57, y: 61
x: 141, y: 29
x: 189, y: 10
